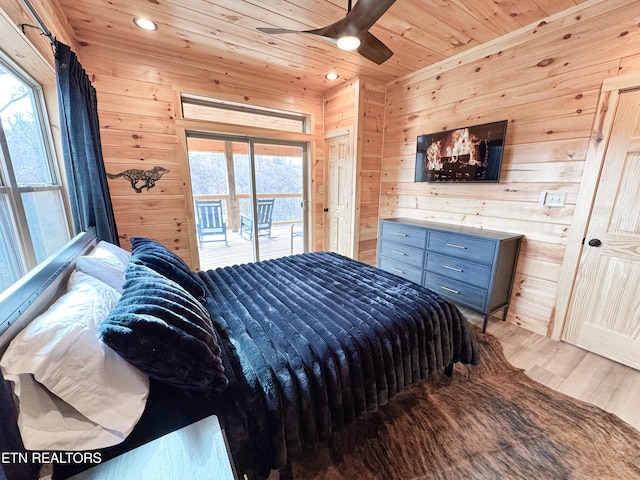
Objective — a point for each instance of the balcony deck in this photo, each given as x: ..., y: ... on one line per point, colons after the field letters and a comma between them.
x: 240, y: 250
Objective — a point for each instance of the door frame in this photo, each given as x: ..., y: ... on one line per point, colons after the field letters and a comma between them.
x: 339, y: 132
x: 594, y: 161
x: 306, y: 191
x: 307, y: 218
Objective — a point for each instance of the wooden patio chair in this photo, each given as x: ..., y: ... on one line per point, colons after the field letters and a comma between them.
x: 265, y: 211
x: 210, y: 220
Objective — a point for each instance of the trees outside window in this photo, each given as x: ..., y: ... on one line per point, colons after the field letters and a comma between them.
x: 33, y: 217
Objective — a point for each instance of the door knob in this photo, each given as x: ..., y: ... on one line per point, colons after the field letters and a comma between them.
x: 594, y: 242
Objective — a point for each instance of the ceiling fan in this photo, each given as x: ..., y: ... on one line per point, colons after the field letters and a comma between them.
x: 352, y: 32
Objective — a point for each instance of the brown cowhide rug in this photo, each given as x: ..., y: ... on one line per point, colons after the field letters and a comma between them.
x: 488, y: 422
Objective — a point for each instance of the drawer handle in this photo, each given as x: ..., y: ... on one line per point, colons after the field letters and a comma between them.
x: 452, y: 268
x: 401, y: 234
x: 399, y: 253
x: 449, y: 289
x: 456, y: 246
x: 397, y: 270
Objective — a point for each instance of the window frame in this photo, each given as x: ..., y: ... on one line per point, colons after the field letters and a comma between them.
x: 43, y: 100
x: 221, y: 106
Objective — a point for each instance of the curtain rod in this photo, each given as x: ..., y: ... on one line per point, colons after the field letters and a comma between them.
x: 46, y: 32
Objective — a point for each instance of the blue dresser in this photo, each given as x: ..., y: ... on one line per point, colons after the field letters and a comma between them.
x: 472, y: 267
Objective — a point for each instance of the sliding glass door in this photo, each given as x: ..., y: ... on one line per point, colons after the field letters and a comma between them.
x: 240, y: 176
x: 279, y: 183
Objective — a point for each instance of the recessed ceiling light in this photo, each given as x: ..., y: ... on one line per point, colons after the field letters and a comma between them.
x: 145, y: 24
x: 348, y: 43
x: 332, y: 76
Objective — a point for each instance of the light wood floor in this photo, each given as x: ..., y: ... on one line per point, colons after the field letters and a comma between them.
x: 569, y: 369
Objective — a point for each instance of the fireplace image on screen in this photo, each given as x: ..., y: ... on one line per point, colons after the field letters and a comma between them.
x: 469, y: 154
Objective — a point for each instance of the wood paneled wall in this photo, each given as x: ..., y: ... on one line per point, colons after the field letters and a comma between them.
x: 138, y: 103
x: 358, y: 107
x: 370, y: 138
x: 545, y: 81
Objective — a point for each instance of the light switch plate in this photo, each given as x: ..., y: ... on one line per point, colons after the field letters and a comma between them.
x: 555, y: 199
x: 542, y: 198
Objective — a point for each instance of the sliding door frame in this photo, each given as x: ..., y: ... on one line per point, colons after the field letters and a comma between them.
x: 250, y: 141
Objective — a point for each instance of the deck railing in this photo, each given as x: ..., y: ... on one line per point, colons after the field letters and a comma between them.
x: 233, y: 206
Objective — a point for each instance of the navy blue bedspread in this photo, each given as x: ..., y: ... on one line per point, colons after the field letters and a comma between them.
x: 310, y: 342
x: 321, y: 338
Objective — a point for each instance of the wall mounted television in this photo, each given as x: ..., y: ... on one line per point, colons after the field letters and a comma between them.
x: 468, y: 154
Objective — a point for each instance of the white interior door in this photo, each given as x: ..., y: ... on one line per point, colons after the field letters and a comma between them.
x: 604, y: 313
x: 339, y: 196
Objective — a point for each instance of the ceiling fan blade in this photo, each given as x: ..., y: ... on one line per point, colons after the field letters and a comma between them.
x: 315, y: 33
x: 357, y: 23
x: 276, y: 31
x: 365, y: 13
x: 373, y: 49
x: 358, y: 20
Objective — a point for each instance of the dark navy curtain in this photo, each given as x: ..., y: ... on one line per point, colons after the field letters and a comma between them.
x: 84, y: 166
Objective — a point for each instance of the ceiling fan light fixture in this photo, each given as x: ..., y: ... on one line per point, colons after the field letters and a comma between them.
x: 145, y: 24
x: 352, y: 31
x: 348, y: 43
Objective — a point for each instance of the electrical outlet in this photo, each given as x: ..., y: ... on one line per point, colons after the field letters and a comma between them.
x: 555, y: 199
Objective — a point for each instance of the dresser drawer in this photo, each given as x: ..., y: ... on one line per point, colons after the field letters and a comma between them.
x: 472, y: 267
x: 399, y: 252
x: 459, y: 292
x: 458, y: 269
x: 398, y: 268
x: 404, y: 234
x: 462, y: 246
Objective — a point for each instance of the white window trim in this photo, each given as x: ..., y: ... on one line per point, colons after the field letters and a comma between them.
x: 26, y: 61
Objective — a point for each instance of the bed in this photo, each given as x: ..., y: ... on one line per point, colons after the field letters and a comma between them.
x: 283, y: 351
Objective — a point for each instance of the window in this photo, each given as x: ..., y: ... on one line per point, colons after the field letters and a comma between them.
x: 200, y: 108
x: 268, y: 173
x: 33, y: 216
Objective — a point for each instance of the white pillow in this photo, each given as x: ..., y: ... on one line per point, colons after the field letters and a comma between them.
x: 74, y: 392
x: 113, y: 254
x: 106, y: 262
x: 102, y: 270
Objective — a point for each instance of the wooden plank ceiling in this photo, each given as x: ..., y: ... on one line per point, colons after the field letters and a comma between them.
x: 223, y: 32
